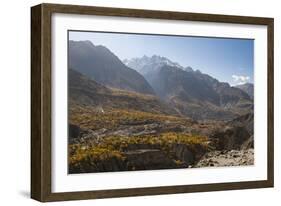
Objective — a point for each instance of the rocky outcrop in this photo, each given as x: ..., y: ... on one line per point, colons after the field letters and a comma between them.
x: 147, y: 156
x: 186, y: 154
x: 183, y: 153
x: 109, y: 165
x: 148, y: 159
x: 231, y: 138
x: 246, y: 121
x: 236, y: 134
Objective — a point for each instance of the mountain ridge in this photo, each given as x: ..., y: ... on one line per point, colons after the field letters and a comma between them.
x: 103, y: 66
x: 84, y: 91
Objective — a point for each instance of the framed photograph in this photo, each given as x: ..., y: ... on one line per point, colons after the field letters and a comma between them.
x: 130, y: 102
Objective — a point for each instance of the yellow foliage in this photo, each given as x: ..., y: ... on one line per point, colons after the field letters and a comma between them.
x: 89, y: 118
x: 94, y: 154
x: 113, y: 146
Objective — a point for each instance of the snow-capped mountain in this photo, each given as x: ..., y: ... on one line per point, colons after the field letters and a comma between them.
x: 146, y: 65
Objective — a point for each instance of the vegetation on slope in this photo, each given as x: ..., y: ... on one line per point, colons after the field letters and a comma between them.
x: 98, y: 118
x: 89, y: 155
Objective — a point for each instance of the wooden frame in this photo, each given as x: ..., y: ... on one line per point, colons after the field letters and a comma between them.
x: 41, y: 101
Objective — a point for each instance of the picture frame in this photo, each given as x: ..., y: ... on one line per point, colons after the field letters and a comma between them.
x: 42, y: 41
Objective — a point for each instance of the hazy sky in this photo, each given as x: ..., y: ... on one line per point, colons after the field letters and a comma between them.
x: 228, y: 60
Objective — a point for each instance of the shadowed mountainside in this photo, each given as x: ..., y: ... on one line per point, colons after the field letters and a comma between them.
x: 101, y: 65
x: 86, y: 92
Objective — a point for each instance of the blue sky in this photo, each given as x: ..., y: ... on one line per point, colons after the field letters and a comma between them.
x: 228, y: 60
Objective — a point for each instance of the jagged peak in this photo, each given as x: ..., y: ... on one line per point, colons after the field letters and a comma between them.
x: 154, y: 62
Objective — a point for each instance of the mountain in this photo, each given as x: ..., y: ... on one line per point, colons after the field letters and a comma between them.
x: 86, y: 92
x: 248, y: 88
x: 101, y: 65
x: 191, y: 92
x: 147, y: 65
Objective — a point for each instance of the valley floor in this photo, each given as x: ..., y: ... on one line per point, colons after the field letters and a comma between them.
x: 129, y: 140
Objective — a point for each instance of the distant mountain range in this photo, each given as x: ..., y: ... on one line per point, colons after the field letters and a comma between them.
x: 176, y: 88
x: 195, y: 94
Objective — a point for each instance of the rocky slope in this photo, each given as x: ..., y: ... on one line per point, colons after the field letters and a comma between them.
x: 84, y: 92
x: 248, y: 88
x: 237, y: 134
x: 101, y: 65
